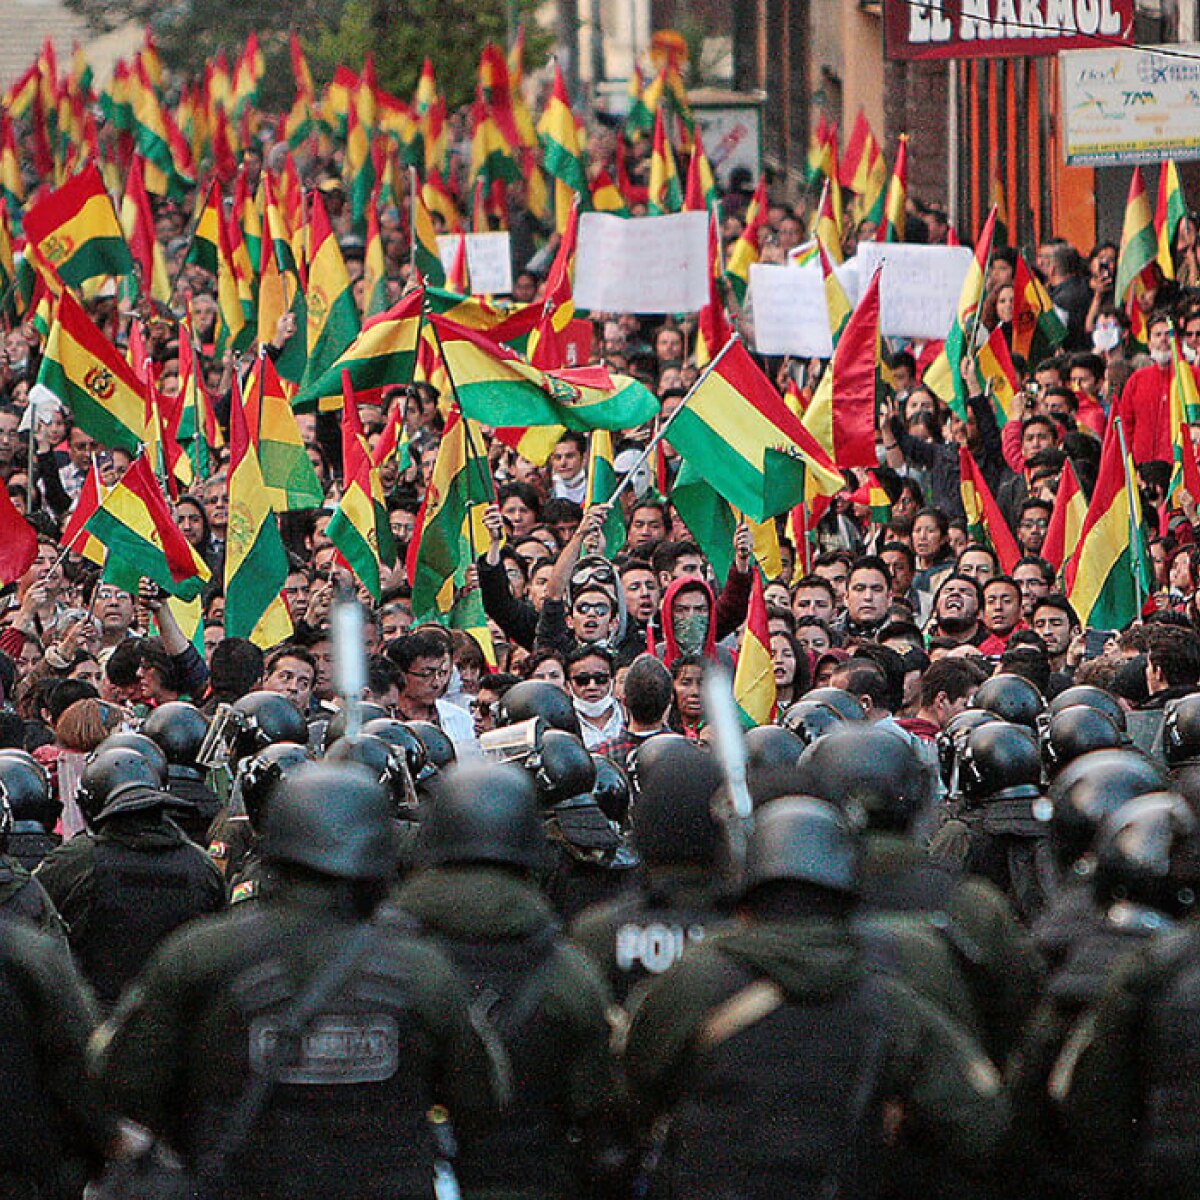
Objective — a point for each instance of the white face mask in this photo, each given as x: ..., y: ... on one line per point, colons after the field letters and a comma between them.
x: 594, y: 708
x: 1105, y: 338
x: 1189, y: 351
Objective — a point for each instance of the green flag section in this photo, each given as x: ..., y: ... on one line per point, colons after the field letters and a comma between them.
x: 601, y: 483
x: 562, y: 157
x: 332, y: 316
x: 1108, y: 578
x: 737, y: 431
x: 86, y: 372
x: 256, y: 564
x: 72, y: 233
x: 709, y: 519
x: 288, y: 474
x: 359, y: 527
x: 1170, y: 210
x: 426, y: 258
x: 439, y: 546
x: 382, y: 356
x: 134, y: 521
x: 497, y: 387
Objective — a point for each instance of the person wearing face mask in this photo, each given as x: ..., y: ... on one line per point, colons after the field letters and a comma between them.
x: 687, y: 621
x: 1144, y: 406
x: 590, y: 682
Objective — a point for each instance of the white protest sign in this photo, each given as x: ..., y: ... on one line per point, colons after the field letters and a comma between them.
x: 918, y: 293
x: 642, y: 264
x: 791, y: 315
x: 489, y: 261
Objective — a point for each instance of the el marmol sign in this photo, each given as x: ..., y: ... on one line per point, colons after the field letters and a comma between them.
x: 1002, y: 28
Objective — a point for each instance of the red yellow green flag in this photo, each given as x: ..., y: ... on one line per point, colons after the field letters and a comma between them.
x: 288, y: 473
x: 837, y: 303
x: 426, y: 258
x: 700, y: 194
x: 998, y: 374
x: 545, y: 342
x: 1170, y: 210
x: 754, y: 675
x: 863, y: 170
x: 74, y: 536
x: 1066, y: 519
x: 1139, y: 244
x: 748, y: 248
x: 256, y: 564
x: 892, y: 228
x: 985, y: 522
x: 1037, y: 330
x: 333, y: 322
x: 562, y: 156
x: 137, y: 221
x: 1184, y: 404
x: 712, y: 322
x: 666, y: 196
x: 359, y: 527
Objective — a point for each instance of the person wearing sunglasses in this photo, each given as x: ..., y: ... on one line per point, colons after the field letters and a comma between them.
x: 590, y: 682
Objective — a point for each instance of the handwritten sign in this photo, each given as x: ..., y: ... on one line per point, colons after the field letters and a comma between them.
x: 642, y: 264
x: 918, y: 291
x: 489, y: 261
x: 791, y: 315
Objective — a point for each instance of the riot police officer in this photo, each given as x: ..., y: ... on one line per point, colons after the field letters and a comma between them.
x: 771, y: 1048
x: 35, y: 809
x: 21, y: 895
x: 360, y: 1031
x: 536, y: 698
x: 180, y: 729
x: 1012, y: 698
x: 475, y: 891
x: 679, y: 897
x: 132, y: 878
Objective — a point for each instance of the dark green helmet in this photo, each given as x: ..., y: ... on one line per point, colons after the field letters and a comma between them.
x: 259, y: 774
x: 1148, y: 852
x: 799, y: 839
x: 179, y: 728
x: 262, y: 719
x: 439, y: 749
x: 1078, y: 729
x: 146, y: 747
x: 115, y: 774
x: 953, y: 738
x: 385, y: 762
x: 334, y: 820
x: 1093, y: 697
x: 397, y: 733
x: 1090, y: 789
x: 868, y: 766
x: 537, y: 698
x: 673, y: 821
x: 1012, y: 698
x: 484, y: 813
x: 561, y: 767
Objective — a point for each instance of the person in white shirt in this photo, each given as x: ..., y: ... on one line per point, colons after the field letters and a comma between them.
x: 590, y: 682
x: 568, y: 467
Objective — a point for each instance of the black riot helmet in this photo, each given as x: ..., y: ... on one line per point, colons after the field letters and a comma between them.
x: 439, y: 749
x: 385, y: 762
x: 561, y: 767
x: 260, y: 773
x: 146, y: 747
x: 397, y: 733
x: 799, y: 839
x: 1012, y: 698
x: 848, y: 706
x: 673, y: 821
x: 810, y: 719
x: 336, y: 726
x: 179, y: 728
x: 1078, y: 730
x: 334, y: 820
x: 1091, y: 788
x: 27, y: 787
x: 262, y: 719
x: 1148, y: 852
x: 1181, y: 730
x: 537, y: 698
x: 999, y: 762
x: 611, y: 789
x: 873, y: 768
x: 113, y: 774
x: 480, y: 812
x: 1092, y: 697
x: 772, y: 748
x: 953, y: 738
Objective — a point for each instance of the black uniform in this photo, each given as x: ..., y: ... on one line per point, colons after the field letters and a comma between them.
x: 122, y: 889
x: 30, y: 843
x: 592, y: 862
x: 197, y: 804
x: 23, y: 896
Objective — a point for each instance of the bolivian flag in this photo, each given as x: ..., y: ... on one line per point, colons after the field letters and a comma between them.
x: 985, y: 522
x: 747, y: 249
x: 375, y: 289
x: 86, y: 372
x: 754, y: 675
x: 205, y: 250
x: 360, y: 528
x: 601, y: 483
x: 382, y: 356
x: 286, y: 469
x: 1107, y: 578
x: 998, y: 374
x: 737, y: 430
x: 333, y: 322
x: 712, y: 321
x: 74, y: 535
x: 256, y: 564
x: 497, y: 387
x: 1037, y: 330
x: 863, y: 170
x: 666, y: 196
x: 1170, y: 210
x: 895, y: 212
x: 426, y: 258
x: 1066, y: 519
x: 1139, y: 244
x: 1184, y: 408
x: 562, y: 157
x: 73, y: 234
x: 134, y: 521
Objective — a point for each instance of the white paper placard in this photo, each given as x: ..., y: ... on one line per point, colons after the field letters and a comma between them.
x: 642, y: 264
x: 489, y: 261
x: 791, y: 315
x: 918, y: 294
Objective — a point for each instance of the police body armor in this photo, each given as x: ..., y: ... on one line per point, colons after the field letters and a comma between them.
x: 347, y: 1097
x: 592, y: 863
x: 198, y: 805
x: 785, y: 1105
x: 138, y: 897
x: 1009, y: 847
x: 22, y: 896
x: 30, y: 843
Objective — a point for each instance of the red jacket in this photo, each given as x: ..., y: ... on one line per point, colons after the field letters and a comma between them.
x: 1145, y: 410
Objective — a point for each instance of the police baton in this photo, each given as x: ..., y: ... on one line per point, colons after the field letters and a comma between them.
x: 735, y: 809
x: 349, y: 657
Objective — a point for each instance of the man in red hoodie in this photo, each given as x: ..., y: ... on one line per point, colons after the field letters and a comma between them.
x: 1145, y: 407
